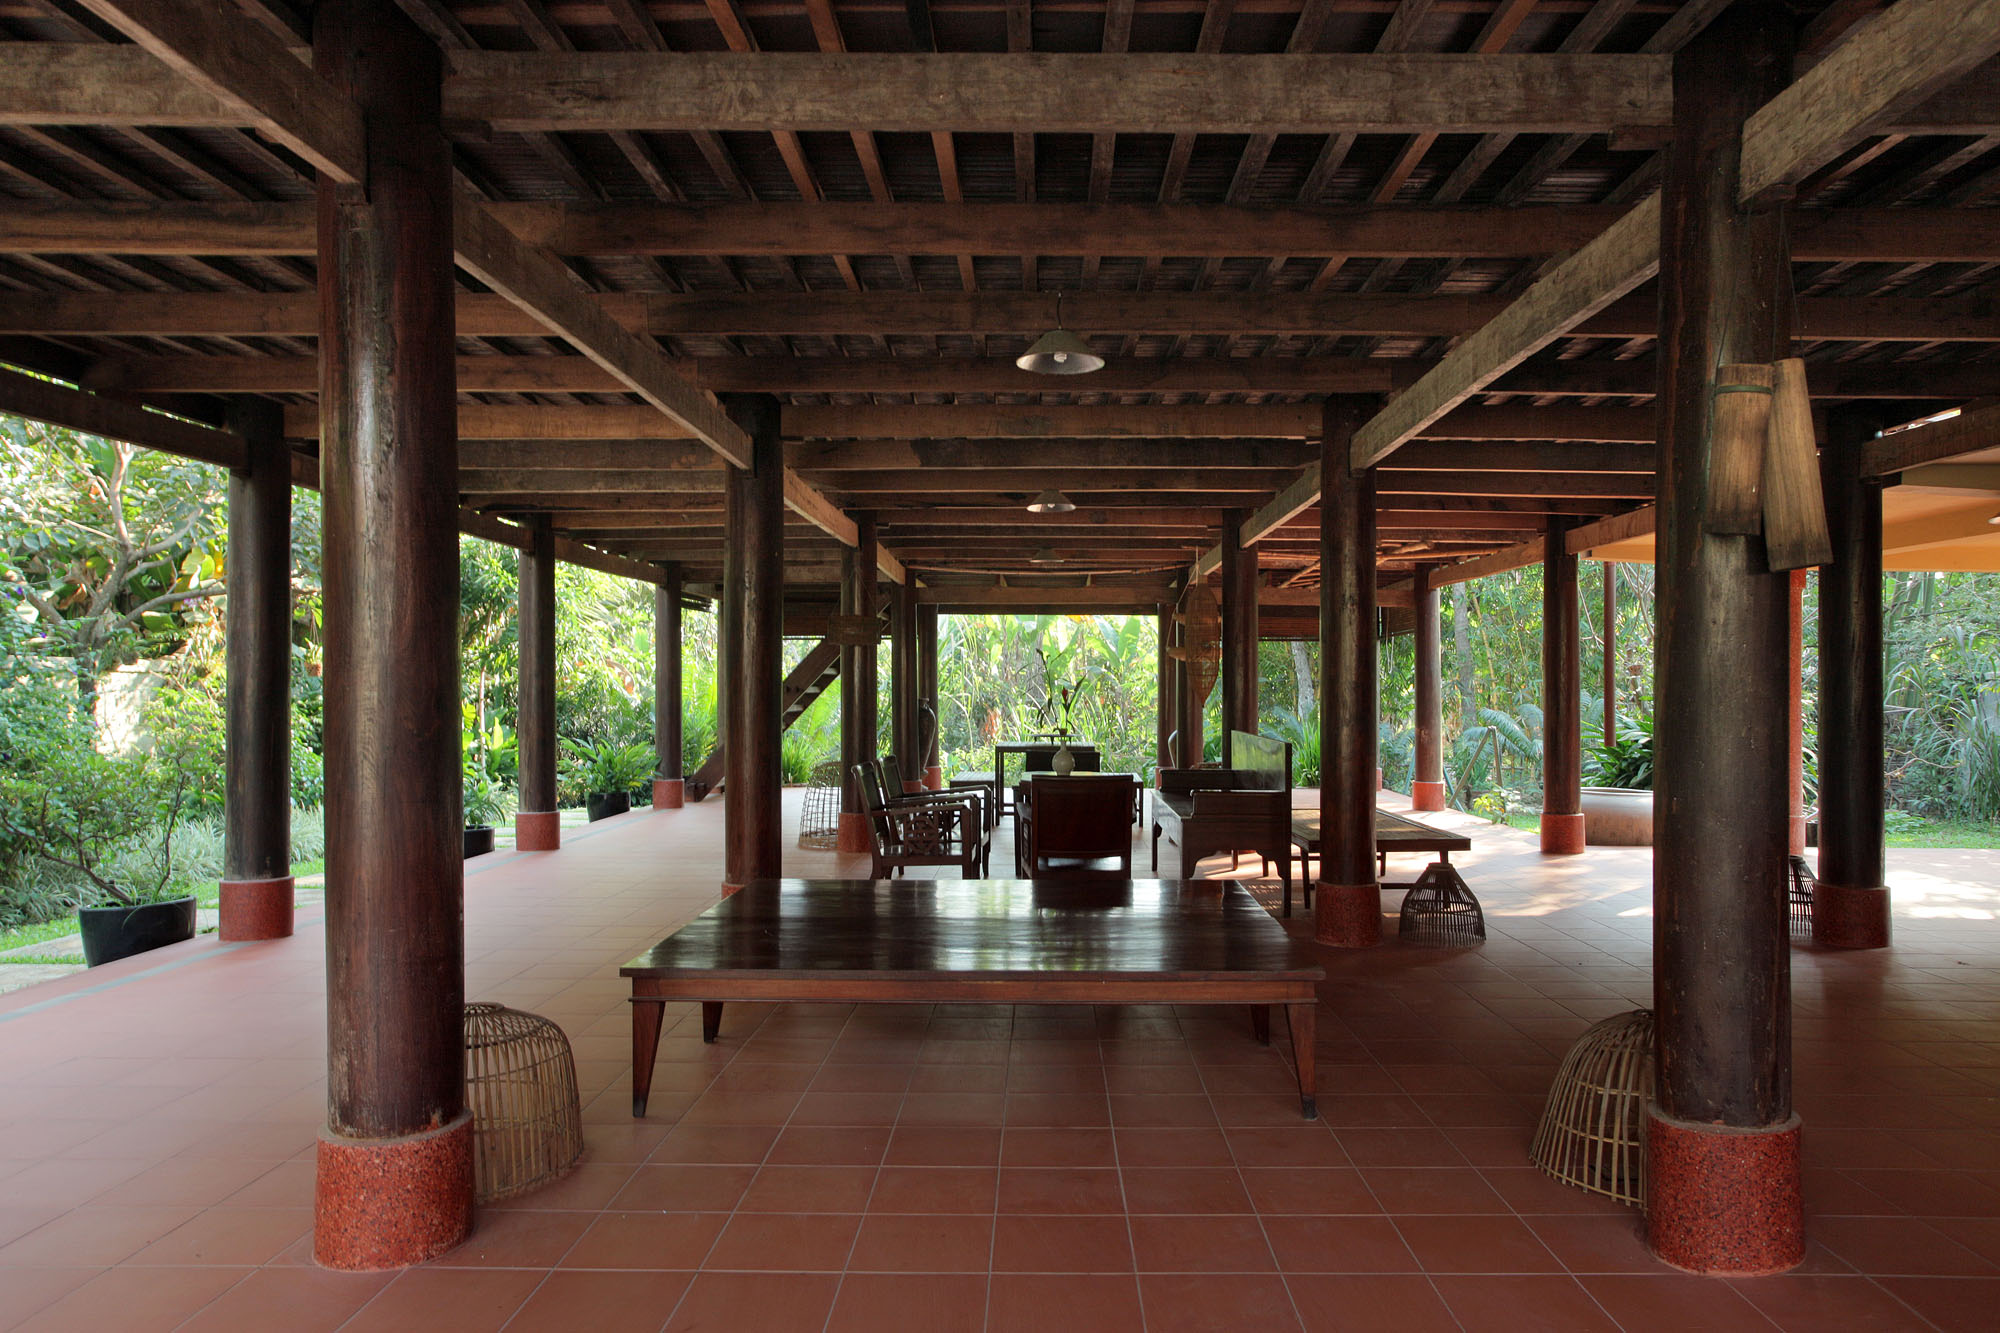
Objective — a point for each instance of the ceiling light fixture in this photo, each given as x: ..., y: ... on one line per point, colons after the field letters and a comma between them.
x: 1060, y: 352
x: 1045, y: 556
x: 1051, y: 501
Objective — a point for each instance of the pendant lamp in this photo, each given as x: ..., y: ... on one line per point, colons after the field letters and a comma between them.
x: 1060, y: 352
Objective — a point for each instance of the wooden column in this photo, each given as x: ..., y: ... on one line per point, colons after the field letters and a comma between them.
x: 1562, y: 698
x: 927, y: 695
x: 1164, y: 674
x: 1427, y: 781
x: 394, y: 1179
x: 857, y: 682
x: 537, y: 824
x: 1851, y: 902
x: 1239, y: 631
x: 669, y: 783
x: 903, y: 684
x: 257, y: 807
x: 1347, y: 911
x: 1610, y: 651
x: 752, y: 641
x: 1723, y: 1141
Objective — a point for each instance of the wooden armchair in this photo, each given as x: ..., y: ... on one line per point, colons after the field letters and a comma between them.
x: 1078, y: 826
x: 919, y: 833
x: 886, y: 768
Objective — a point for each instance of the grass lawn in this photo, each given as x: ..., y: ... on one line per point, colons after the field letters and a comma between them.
x: 37, y: 934
x: 1916, y: 831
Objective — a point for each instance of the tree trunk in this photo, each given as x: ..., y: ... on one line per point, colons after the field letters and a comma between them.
x: 1302, y: 675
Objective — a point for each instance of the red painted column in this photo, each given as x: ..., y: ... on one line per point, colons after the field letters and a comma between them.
x: 857, y: 684
x: 752, y: 643
x: 1347, y: 909
x: 1427, y: 783
x: 669, y: 783
x: 1851, y: 901
x: 1562, y: 698
x: 394, y: 1182
x: 1722, y: 1139
x: 1795, y: 716
x: 537, y: 824
x: 256, y: 889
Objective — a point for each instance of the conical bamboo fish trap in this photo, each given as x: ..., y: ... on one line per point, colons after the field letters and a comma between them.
x: 1201, y: 638
x: 520, y: 1082
x: 1593, y: 1130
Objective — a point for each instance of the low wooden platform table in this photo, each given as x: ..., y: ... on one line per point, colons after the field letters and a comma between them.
x: 1393, y: 833
x: 1147, y: 941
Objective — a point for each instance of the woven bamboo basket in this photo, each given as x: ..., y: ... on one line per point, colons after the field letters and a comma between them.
x: 1201, y: 640
x: 1440, y: 909
x: 1800, y: 884
x: 520, y: 1081
x: 1593, y: 1130
x: 819, y: 821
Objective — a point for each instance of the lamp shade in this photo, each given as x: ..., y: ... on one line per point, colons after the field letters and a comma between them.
x: 1045, y: 556
x: 1060, y: 352
x: 1051, y: 501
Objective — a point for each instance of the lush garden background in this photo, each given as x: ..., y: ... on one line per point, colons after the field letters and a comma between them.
x: 111, y: 683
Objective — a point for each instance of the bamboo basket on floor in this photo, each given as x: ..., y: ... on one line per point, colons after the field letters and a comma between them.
x: 1800, y: 884
x: 520, y: 1083
x: 819, y: 821
x: 1592, y: 1133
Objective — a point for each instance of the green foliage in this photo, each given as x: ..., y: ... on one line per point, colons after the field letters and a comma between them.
x: 604, y: 767
x: 1624, y: 761
x: 1304, y: 734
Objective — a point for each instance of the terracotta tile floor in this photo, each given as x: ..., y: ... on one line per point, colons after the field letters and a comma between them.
x: 972, y: 1168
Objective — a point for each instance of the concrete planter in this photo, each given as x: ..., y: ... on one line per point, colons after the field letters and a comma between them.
x: 1617, y: 817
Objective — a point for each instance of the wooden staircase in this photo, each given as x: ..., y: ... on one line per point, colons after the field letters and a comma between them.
x: 812, y: 677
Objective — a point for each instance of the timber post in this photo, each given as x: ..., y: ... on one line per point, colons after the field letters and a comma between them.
x: 1851, y: 900
x: 1562, y: 697
x: 669, y: 780
x: 903, y: 727
x: 752, y: 642
x: 1239, y: 631
x: 256, y: 888
x: 1347, y: 910
x: 1722, y: 1140
x: 1795, y: 714
x: 538, y: 822
x: 394, y: 1181
x: 1427, y: 777
x: 927, y: 694
x: 857, y: 683
x: 1610, y: 570
x: 1163, y: 685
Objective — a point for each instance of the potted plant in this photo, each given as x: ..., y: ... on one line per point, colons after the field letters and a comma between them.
x: 608, y: 771
x: 100, y: 816
x: 1618, y: 809
x: 485, y: 806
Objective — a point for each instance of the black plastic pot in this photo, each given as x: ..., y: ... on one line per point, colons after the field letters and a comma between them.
x: 111, y: 933
x: 604, y: 804
x: 478, y: 839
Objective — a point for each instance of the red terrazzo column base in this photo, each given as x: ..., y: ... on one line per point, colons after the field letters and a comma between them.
x: 1562, y: 835
x: 538, y: 831
x: 853, y: 834
x: 934, y: 778
x: 1427, y: 796
x: 1724, y: 1202
x: 390, y: 1203
x: 669, y: 793
x: 256, y: 909
x: 1348, y: 916
x: 1847, y: 916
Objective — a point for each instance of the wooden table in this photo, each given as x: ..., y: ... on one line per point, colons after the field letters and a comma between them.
x: 1147, y: 941
x: 1001, y: 749
x: 1393, y: 833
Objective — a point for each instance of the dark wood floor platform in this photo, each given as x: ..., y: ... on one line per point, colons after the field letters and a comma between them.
x: 995, y: 941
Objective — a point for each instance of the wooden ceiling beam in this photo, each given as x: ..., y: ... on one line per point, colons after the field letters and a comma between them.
x: 785, y: 314
x: 1244, y: 481
x: 1043, y: 93
x: 1172, y: 453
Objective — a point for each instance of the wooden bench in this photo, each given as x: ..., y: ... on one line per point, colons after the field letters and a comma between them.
x: 1142, y: 941
x: 1393, y: 833
x: 1245, y: 808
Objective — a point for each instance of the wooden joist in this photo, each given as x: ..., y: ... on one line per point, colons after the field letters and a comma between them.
x: 1933, y: 442
x: 244, y: 64
x: 1035, y: 92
